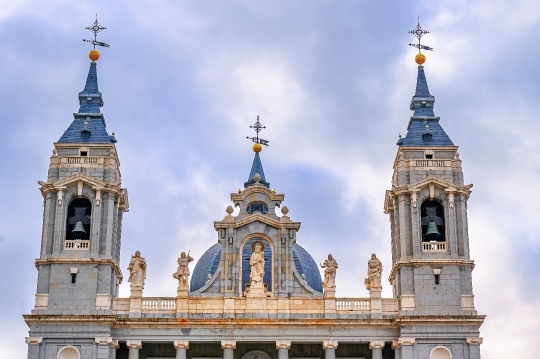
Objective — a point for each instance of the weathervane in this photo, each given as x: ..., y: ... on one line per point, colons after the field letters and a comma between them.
x: 258, y: 141
x: 96, y: 28
x: 419, y: 32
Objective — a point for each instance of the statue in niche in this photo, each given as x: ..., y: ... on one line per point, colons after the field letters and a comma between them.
x: 257, y: 266
x: 330, y: 267
x: 137, y: 271
x: 182, y: 273
x: 373, y: 281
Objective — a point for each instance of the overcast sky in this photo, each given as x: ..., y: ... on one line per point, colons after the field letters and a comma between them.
x: 331, y: 80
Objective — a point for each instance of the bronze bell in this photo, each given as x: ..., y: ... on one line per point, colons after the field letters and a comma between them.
x: 432, y: 232
x: 78, y: 229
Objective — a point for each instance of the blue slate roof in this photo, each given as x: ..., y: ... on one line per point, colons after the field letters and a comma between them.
x: 207, y: 264
x: 307, y: 266
x: 209, y: 261
x: 88, y: 125
x: 422, y: 104
x: 256, y: 167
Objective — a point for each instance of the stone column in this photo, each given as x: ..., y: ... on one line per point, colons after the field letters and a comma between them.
x: 228, y: 347
x: 283, y: 347
x: 396, y: 345
x: 474, y: 347
x: 33, y: 346
x: 181, y: 346
x: 134, y: 346
x: 376, y: 347
x: 330, y: 347
x: 406, y: 347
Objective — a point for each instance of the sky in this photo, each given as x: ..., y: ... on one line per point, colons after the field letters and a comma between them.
x: 331, y: 80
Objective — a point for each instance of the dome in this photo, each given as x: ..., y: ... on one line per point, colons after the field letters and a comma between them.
x: 209, y: 261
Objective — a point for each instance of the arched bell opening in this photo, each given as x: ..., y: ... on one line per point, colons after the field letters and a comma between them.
x: 432, y: 218
x: 79, y: 218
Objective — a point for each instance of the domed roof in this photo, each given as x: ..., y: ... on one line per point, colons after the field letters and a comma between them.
x: 209, y: 262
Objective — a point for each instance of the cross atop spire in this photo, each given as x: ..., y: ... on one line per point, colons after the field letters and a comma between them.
x: 256, y: 167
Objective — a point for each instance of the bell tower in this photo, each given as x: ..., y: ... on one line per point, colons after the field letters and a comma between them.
x: 431, y: 271
x: 84, y: 203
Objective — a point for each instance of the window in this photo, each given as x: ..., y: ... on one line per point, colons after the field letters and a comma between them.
x: 432, y: 217
x: 78, y: 219
x: 84, y: 153
x: 429, y: 157
x: 257, y: 207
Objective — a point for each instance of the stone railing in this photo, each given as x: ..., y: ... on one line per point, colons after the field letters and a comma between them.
x: 159, y: 304
x: 434, y: 246
x: 433, y: 163
x: 352, y: 304
x: 82, y: 160
x: 76, y: 244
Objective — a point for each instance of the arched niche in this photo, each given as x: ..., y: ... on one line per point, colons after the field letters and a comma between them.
x: 440, y: 352
x: 247, y: 251
x: 79, y: 218
x: 256, y: 354
x: 68, y: 352
x: 432, y: 219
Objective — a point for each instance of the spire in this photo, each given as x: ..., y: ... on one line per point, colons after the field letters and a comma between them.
x: 424, y: 128
x: 88, y: 125
x: 256, y: 167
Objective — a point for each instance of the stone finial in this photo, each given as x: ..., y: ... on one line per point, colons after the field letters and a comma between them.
x: 229, y: 210
x: 137, y: 271
x: 330, y: 267
x: 54, y: 152
x: 257, y: 178
x: 183, y: 273
x: 373, y: 281
x: 285, y: 210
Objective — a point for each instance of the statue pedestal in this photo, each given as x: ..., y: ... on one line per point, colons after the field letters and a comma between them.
x: 182, y: 295
x: 135, y: 301
x: 330, y: 292
x: 182, y: 292
x: 375, y: 301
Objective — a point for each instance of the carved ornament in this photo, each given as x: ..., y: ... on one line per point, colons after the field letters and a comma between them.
x: 283, y: 344
x: 330, y: 344
x: 228, y: 344
x: 376, y: 344
x: 134, y: 344
x: 181, y: 344
x: 406, y: 341
x: 474, y: 341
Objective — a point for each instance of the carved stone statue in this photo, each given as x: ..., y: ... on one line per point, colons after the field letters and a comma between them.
x: 373, y: 281
x: 257, y: 267
x: 182, y: 273
x: 330, y: 266
x: 137, y: 271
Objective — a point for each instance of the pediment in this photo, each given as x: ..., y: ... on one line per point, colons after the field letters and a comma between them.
x: 79, y: 177
x: 235, y: 197
x: 257, y: 218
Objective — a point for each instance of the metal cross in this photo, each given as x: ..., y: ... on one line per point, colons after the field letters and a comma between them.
x: 418, y: 31
x: 96, y: 28
x: 258, y: 128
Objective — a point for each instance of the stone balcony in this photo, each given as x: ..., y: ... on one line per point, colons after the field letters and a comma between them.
x: 434, y: 246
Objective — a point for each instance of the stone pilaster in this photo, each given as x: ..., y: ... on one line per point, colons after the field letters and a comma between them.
x: 228, y: 347
x: 134, y: 346
x: 181, y: 347
x: 474, y: 347
x: 103, y: 347
x: 330, y: 347
x: 283, y: 347
x: 376, y: 347
x: 396, y: 345
x: 34, y: 345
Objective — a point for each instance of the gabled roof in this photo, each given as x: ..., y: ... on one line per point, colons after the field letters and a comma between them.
x: 88, y: 125
x: 424, y: 128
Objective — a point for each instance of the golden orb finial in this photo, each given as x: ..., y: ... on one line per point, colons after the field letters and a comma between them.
x: 257, y: 147
x: 420, y: 58
x: 93, y: 55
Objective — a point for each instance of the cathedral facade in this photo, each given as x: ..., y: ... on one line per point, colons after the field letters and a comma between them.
x: 256, y: 293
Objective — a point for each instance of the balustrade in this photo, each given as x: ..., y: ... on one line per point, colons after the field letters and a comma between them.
x: 434, y: 246
x: 76, y: 244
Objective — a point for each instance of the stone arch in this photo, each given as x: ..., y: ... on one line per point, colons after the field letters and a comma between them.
x: 78, y: 210
x: 68, y: 352
x: 440, y: 352
x: 432, y: 210
x: 256, y: 354
x: 245, y: 253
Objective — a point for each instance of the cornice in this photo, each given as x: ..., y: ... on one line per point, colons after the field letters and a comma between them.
x: 429, y: 262
x: 257, y: 189
x: 106, y: 261
x: 257, y: 217
x: 63, y: 318
x: 439, y: 319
